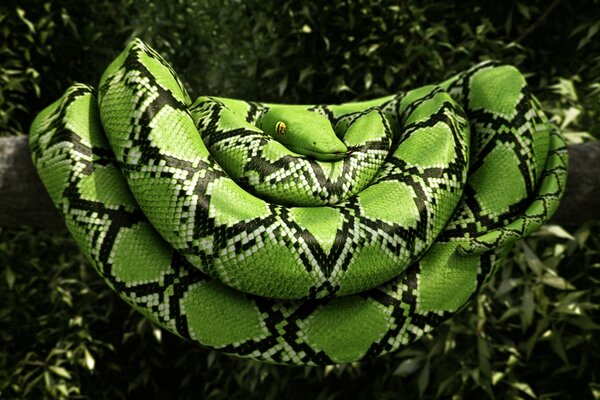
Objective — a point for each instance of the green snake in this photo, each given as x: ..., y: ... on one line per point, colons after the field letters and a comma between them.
x: 298, y: 234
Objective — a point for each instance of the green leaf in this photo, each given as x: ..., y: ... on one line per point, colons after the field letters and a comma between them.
x: 523, y: 10
x: 423, y: 380
x: 60, y: 371
x: 557, y: 282
x: 557, y: 346
x: 570, y: 116
x: 90, y: 362
x: 483, y: 351
x: 21, y: 14
x: 157, y: 333
x: 528, y: 307
x: 282, y: 85
x: 408, y: 367
x: 566, y: 88
x: 343, y: 88
x: 368, y: 79
x: 555, y: 230
x: 523, y: 387
x: 532, y: 260
x: 592, y: 30
x: 10, y: 277
x: 497, y: 376
x: 305, y: 73
x: 388, y: 77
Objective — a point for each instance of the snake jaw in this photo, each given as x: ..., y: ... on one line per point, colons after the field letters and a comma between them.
x: 317, y: 155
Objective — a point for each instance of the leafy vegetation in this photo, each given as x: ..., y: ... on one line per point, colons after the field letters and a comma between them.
x: 532, y: 333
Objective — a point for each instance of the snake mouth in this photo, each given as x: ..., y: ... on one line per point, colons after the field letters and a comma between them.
x: 318, y: 155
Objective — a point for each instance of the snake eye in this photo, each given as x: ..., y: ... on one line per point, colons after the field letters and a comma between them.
x: 280, y: 128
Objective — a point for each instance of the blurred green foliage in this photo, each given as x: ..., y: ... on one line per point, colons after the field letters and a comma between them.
x: 534, y: 331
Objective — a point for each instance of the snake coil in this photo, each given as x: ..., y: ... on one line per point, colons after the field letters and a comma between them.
x: 298, y: 234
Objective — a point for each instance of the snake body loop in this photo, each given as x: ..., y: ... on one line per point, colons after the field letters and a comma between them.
x: 298, y: 234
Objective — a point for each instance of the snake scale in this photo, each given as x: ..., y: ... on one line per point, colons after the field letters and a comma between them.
x: 298, y: 234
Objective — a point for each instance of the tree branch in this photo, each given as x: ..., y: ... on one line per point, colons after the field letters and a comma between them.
x: 23, y: 199
x: 25, y: 202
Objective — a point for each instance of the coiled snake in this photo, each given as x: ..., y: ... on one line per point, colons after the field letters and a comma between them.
x: 298, y: 234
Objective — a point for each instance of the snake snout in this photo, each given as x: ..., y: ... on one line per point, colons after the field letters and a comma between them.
x: 350, y: 150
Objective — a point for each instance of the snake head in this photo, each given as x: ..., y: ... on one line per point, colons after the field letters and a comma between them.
x: 303, y: 132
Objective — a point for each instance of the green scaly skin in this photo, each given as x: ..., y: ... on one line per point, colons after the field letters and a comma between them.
x: 352, y: 234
